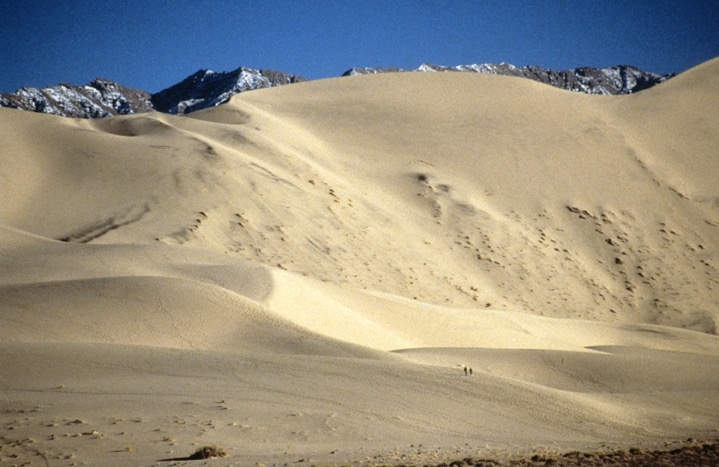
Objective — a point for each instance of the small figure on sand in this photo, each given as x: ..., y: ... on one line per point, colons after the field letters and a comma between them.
x: 465, y: 371
x: 470, y: 371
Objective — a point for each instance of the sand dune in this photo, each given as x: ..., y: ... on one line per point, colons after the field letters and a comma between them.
x: 302, y: 274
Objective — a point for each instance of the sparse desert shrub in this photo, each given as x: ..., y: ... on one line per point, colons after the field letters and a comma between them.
x: 207, y: 452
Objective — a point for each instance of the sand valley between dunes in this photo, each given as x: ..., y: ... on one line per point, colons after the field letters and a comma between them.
x: 302, y: 275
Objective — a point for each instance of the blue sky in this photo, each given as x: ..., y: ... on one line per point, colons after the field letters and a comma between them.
x: 152, y: 44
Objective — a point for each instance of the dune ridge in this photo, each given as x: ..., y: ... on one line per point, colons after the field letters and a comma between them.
x: 304, y: 274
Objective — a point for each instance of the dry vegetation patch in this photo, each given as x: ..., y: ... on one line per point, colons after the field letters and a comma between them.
x: 207, y: 452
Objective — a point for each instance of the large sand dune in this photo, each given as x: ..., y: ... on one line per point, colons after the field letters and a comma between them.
x: 302, y: 274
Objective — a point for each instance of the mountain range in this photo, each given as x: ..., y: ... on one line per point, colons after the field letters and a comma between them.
x: 207, y: 88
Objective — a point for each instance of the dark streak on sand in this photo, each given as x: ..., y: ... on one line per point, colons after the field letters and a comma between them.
x: 91, y: 233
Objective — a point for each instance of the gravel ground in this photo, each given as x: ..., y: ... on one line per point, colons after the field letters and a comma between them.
x: 692, y: 453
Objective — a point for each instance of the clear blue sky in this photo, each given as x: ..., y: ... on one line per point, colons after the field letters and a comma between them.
x: 152, y: 44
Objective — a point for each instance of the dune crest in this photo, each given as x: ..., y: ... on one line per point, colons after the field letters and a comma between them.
x: 309, y: 272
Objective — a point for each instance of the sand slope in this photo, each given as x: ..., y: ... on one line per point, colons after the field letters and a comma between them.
x: 303, y: 273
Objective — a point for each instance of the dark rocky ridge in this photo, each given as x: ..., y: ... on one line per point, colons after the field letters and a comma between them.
x: 207, y: 88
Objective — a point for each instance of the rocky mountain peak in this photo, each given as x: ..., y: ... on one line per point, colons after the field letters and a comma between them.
x: 207, y: 88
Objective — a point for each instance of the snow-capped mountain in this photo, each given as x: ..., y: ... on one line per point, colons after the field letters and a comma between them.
x: 207, y: 88
x: 622, y: 79
x: 99, y: 98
